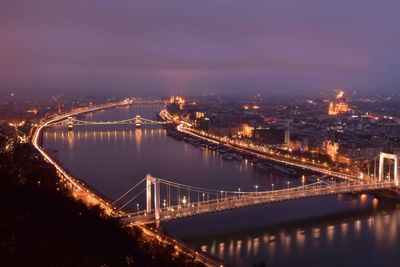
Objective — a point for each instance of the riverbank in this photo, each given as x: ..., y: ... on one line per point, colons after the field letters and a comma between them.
x: 83, y: 193
x: 254, y: 151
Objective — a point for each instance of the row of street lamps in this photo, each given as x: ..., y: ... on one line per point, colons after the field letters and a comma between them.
x: 184, y: 199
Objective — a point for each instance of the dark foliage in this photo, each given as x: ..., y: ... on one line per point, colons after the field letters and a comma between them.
x: 42, y: 225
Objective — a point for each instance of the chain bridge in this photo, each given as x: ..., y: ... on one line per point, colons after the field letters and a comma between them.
x: 71, y: 122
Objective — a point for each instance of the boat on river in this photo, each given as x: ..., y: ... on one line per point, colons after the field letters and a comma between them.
x: 236, y: 157
x: 227, y: 156
x: 286, y: 170
x: 263, y: 166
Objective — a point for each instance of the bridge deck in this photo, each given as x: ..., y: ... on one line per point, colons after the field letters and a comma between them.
x: 135, y: 120
x: 250, y: 199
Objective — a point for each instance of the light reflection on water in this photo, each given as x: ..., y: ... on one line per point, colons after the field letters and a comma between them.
x: 301, y: 242
x: 112, y: 159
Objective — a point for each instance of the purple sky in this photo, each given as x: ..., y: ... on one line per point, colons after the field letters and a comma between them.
x: 186, y: 46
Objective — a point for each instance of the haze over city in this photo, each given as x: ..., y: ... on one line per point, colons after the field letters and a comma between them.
x: 192, y: 47
x: 212, y: 133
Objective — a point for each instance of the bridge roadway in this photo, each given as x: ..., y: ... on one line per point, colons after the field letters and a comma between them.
x: 81, y: 192
x: 78, y: 188
x: 129, y: 121
x: 245, y: 199
x: 297, y: 164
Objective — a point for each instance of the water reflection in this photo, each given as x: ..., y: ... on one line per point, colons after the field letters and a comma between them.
x: 71, y: 139
x: 91, y: 136
x: 138, y: 137
x: 377, y: 230
x: 300, y: 238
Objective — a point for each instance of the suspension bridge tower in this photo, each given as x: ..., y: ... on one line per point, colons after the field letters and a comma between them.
x: 389, y: 157
x: 150, y: 181
x: 138, y: 121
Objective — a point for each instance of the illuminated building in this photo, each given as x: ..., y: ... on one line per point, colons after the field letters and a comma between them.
x: 272, y: 135
x: 254, y: 107
x: 246, y: 131
x: 177, y: 100
x: 199, y: 114
x: 32, y: 110
x: 224, y: 130
x: 352, y: 151
x: 338, y: 106
x: 332, y: 149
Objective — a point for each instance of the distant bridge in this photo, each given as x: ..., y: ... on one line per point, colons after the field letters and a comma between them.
x: 70, y: 122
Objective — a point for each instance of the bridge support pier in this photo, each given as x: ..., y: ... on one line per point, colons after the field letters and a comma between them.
x: 70, y: 124
x: 382, y: 158
x: 138, y: 121
x: 150, y: 181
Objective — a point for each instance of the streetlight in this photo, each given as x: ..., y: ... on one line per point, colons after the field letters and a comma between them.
x: 137, y: 208
x: 272, y: 187
x: 288, y: 183
x: 203, y: 197
x: 256, y: 186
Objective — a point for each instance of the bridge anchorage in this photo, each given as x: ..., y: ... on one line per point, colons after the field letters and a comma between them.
x: 138, y: 121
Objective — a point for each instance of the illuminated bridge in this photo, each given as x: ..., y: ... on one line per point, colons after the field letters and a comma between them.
x: 70, y: 122
x: 167, y: 200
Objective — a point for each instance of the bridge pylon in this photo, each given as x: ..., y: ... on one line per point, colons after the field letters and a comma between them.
x: 70, y: 124
x: 138, y: 121
x: 150, y: 181
x: 382, y: 158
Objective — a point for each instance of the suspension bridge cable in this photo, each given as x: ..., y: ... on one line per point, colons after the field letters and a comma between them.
x: 127, y: 192
x: 217, y: 192
x: 129, y: 201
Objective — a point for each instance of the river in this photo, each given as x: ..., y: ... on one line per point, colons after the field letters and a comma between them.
x: 324, y: 231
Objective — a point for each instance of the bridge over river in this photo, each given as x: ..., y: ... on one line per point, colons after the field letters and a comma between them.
x: 183, y: 200
x: 71, y: 122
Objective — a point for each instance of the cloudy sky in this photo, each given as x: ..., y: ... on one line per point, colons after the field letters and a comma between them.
x: 170, y: 46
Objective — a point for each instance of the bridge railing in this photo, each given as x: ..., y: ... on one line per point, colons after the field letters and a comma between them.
x: 251, y: 198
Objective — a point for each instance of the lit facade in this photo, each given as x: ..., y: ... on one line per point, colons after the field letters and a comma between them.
x: 338, y: 106
x: 178, y: 100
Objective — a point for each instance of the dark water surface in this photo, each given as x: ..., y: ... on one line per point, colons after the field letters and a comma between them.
x: 325, y: 231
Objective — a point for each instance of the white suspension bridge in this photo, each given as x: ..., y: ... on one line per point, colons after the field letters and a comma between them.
x: 168, y: 200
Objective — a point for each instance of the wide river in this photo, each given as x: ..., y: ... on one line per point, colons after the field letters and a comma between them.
x: 325, y: 231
